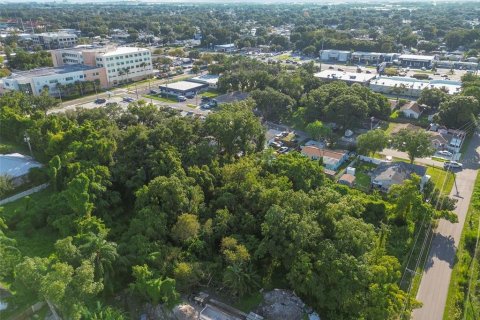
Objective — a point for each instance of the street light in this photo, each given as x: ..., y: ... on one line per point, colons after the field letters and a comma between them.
x: 26, y: 138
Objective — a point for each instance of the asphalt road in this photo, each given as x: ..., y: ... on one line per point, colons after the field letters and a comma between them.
x: 436, y: 276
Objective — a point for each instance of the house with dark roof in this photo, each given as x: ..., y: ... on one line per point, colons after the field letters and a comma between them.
x: 332, y: 159
x: 388, y: 174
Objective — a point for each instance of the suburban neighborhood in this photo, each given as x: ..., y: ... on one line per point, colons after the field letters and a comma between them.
x: 242, y: 161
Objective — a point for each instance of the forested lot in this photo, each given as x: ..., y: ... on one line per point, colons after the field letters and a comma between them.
x: 336, y: 27
x: 145, y: 205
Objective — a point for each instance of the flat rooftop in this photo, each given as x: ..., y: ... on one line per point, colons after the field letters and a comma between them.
x: 183, y: 85
x: 42, y: 72
x: 207, y: 78
x: 123, y: 50
x: 345, y: 76
x: 412, y: 83
x: 416, y: 57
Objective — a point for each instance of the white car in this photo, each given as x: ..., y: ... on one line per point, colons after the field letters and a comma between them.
x: 445, y: 153
x: 452, y: 165
x: 282, y: 150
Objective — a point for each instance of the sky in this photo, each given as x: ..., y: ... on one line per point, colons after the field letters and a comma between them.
x: 235, y: 1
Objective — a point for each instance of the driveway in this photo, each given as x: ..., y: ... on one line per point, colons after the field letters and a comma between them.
x: 436, y: 276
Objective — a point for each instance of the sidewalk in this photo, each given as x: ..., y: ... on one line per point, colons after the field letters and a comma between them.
x: 23, y: 194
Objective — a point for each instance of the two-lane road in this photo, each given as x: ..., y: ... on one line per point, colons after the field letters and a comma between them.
x: 433, y: 288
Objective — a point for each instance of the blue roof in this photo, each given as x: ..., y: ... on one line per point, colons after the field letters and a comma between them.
x: 16, y: 164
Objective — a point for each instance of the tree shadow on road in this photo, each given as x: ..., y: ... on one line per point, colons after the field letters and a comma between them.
x: 442, y: 248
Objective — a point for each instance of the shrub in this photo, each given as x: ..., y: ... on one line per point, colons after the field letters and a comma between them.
x: 420, y: 76
x: 470, y: 241
x: 394, y: 115
x: 5, y: 148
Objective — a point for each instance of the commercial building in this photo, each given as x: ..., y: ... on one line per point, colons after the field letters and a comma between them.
x: 125, y: 64
x: 417, y: 61
x: 210, y: 79
x: 230, y: 47
x: 335, y: 55
x: 55, y: 40
x: 182, y: 88
x: 371, y: 58
x: 122, y: 64
x: 349, y: 77
x: 36, y: 80
x: 410, y: 87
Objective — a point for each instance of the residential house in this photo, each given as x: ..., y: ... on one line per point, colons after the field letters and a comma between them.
x: 389, y: 174
x: 439, y: 140
x: 332, y: 159
x: 411, y: 110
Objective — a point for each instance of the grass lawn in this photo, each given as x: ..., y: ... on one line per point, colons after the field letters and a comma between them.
x: 160, y: 98
x: 285, y: 56
x: 210, y: 94
x: 467, y: 268
x: 191, y: 106
x: 465, y: 144
x: 439, y: 159
x: 31, y: 241
x: 438, y: 177
x: 362, y: 181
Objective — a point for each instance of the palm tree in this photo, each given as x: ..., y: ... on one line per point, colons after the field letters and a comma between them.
x: 121, y: 73
x: 60, y: 87
x: 143, y: 65
x: 240, y: 279
x: 102, y: 254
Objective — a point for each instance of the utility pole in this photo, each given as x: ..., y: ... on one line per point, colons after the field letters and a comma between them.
x: 26, y: 138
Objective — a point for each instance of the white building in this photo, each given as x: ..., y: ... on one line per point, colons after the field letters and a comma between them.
x: 122, y: 64
x: 417, y: 61
x: 125, y: 64
x: 349, y: 77
x: 36, y: 80
x: 335, y: 55
x: 410, y: 87
x: 55, y: 40
x: 230, y: 47
x: 210, y: 79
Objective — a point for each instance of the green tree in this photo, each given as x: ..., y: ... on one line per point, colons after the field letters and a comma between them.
x: 236, y: 129
x: 458, y: 111
x: 273, y: 104
x: 371, y: 142
x: 347, y: 110
x: 186, y: 227
x: 317, y: 130
x: 415, y: 143
x: 432, y: 97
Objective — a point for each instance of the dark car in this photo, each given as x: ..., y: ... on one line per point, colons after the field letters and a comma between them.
x: 154, y: 92
x: 205, y: 99
x: 190, y: 95
x: 100, y: 101
x: 128, y: 99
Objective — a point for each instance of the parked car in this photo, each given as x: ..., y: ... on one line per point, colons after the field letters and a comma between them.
x: 331, y: 68
x: 276, y: 144
x: 205, y: 106
x: 452, y: 165
x: 205, y: 99
x: 181, y: 98
x: 340, y: 69
x: 128, y: 99
x: 154, y: 91
x: 282, y: 150
x: 190, y: 95
x: 445, y: 153
x: 368, y: 71
x: 100, y: 101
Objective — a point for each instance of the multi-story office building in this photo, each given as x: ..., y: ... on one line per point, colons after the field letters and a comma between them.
x: 122, y: 64
x: 54, y: 40
x: 125, y: 64
x: 36, y: 80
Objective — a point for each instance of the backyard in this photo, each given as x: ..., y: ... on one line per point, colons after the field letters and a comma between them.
x: 363, y: 181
